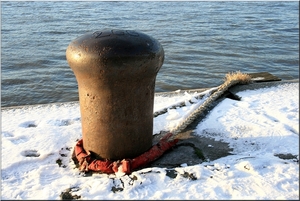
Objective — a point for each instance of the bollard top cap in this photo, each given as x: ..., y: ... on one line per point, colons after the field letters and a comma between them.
x: 115, y: 48
x: 118, y: 42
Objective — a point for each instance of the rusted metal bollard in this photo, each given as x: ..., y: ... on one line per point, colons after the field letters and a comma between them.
x: 116, y: 72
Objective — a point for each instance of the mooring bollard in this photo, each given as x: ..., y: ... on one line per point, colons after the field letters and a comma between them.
x: 116, y: 72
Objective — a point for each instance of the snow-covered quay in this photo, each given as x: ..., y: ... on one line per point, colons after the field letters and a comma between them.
x: 262, y: 129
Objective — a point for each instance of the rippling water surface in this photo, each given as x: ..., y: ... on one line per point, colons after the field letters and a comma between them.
x: 202, y: 42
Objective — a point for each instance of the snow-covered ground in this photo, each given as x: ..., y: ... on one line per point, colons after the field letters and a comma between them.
x: 262, y: 129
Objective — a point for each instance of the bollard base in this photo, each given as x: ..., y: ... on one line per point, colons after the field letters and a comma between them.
x: 86, y: 163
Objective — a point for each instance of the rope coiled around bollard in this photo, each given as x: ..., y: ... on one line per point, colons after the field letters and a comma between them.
x: 87, y: 163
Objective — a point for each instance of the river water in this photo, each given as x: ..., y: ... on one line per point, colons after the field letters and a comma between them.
x: 202, y: 42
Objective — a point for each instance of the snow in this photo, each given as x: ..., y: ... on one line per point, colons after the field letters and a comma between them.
x: 38, y: 141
